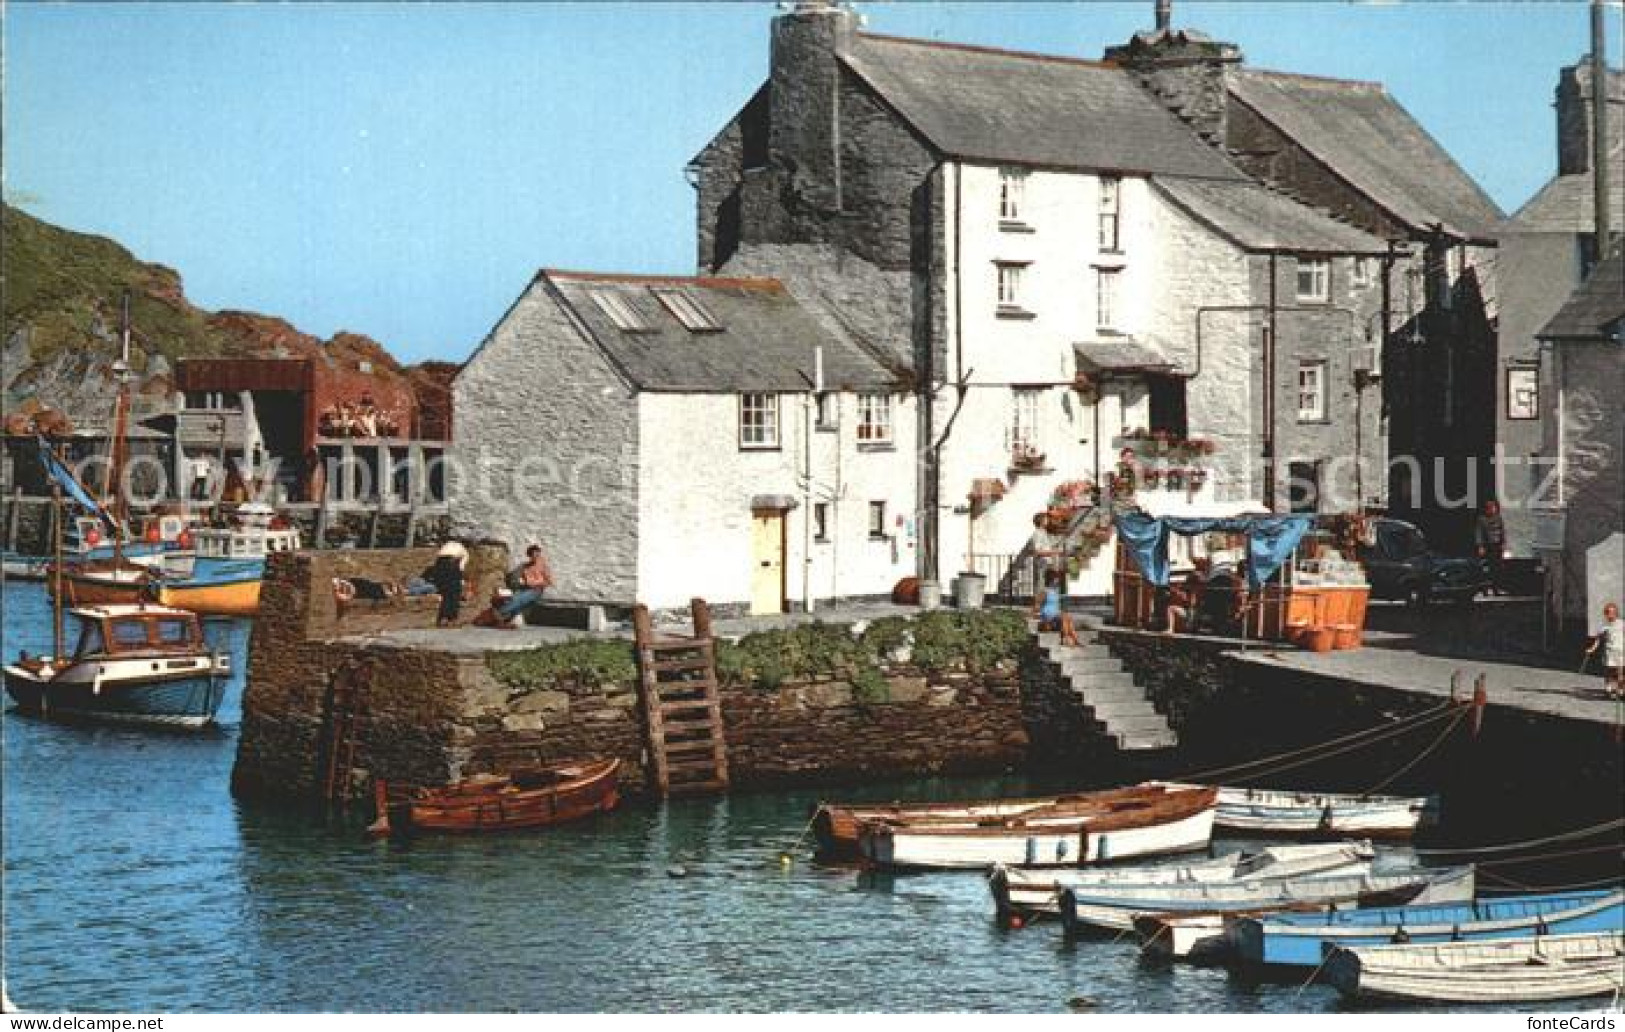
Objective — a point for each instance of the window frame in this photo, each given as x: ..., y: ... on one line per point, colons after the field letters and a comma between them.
x: 1321, y: 370
x: 769, y: 423
x: 826, y: 412
x: 1008, y: 277
x: 869, y: 404
x: 1026, y: 431
x: 1320, y: 271
x: 1532, y: 374
x: 1109, y: 211
x: 877, y: 520
x: 820, y: 522
x: 1107, y: 314
x: 621, y: 309
x: 1012, y: 196
x: 687, y: 310
x: 1360, y: 277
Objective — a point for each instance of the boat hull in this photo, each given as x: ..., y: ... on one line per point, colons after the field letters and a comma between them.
x: 240, y: 598
x: 1301, y: 940
x: 506, y: 807
x: 1547, y: 967
x: 187, y: 699
x: 1262, y: 811
x: 1174, y: 823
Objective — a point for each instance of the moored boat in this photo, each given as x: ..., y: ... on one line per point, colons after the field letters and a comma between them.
x: 1528, y: 970
x: 524, y: 799
x: 1028, y: 892
x: 1085, y: 907
x: 1114, y: 825
x: 1279, y: 812
x: 837, y: 825
x: 1301, y: 939
x: 134, y: 664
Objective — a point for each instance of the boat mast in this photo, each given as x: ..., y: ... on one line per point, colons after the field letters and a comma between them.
x: 121, y: 409
x: 56, y: 571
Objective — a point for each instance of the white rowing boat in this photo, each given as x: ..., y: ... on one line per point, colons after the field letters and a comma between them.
x: 1273, y: 811
x: 1544, y: 967
x: 1028, y: 892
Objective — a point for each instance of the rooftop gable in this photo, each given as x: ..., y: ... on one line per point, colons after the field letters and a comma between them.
x: 1042, y: 110
x: 1258, y: 219
x: 1596, y: 309
x: 1364, y: 136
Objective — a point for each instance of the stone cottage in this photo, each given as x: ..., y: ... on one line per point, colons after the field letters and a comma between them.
x: 1585, y: 432
x: 665, y: 437
x: 1066, y: 259
x: 1547, y: 249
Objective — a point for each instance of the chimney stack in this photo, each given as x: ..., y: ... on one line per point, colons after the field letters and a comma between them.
x: 1600, y: 93
x: 1165, y: 15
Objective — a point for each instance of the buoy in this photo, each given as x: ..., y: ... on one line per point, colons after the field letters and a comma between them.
x: 1081, y: 1003
x: 184, y: 539
x: 93, y: 537
x: 1016, y: 921
x: 152, y: 535
x: 785, y: 860
x: 676, y: 871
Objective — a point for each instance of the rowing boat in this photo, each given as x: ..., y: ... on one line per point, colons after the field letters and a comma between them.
x: 1277, y: 812
x: 1027, y: 893
x: 1300, y: 939
x: 529, y: 799
x: 1111, y: 826
x: 1083, y: 907
x: 1543, y: 967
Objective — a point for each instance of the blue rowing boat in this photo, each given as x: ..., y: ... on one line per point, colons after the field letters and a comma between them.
x: 1302, y: 939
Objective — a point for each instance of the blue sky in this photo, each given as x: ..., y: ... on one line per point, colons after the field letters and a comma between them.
x: 401, y: 170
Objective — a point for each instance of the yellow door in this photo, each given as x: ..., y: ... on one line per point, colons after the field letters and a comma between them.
x: 767, y: 563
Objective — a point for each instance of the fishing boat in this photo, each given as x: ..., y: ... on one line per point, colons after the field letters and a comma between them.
x: 224, y: 577
x: 139, y: 664
x: 523, y: 799
x: 1527, y: 970
x: 1301, y: 939
x: 1277, y: 812
x: 1026, y: 893
x: 1086, y: 907
x: 1121, y: 825
x: 837, y: 825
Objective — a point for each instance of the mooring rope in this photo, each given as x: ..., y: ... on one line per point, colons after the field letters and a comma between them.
x: 1512, y: 847
x: 1415, y: 719
x: 1393, y: 732
x: 1560, y: 854
x: 1419, y: 757
x: 1567, y: 887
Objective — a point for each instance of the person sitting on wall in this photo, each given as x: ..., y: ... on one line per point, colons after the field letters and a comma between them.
x: 1047, y: 607
x: 1185, y: 600
x: 529, y: 582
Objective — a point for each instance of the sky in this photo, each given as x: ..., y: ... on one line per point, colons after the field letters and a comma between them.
x: 403, y: 170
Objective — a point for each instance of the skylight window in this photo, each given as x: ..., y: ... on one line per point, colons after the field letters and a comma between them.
x: 687, y: 310
x: 621, y: 311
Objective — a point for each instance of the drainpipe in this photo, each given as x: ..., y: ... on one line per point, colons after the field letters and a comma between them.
x: 1600, y: 95
x: 1269, y: 395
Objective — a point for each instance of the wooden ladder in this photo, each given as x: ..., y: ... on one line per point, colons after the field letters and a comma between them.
x: 681, y: 710
x: 345, y: 702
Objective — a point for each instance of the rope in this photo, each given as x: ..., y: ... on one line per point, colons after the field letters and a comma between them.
x: 1519, y: 861
x: 1419, y: 757
x: 1512, y: 847
x: 1147, y: 944
x: 1570, y: 886
x: 794, y: 846
x: 1393, y: 733
x: 1381, y: 729
x: 1313, y: 975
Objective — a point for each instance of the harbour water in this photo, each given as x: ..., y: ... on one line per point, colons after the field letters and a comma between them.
x: 134, y: 882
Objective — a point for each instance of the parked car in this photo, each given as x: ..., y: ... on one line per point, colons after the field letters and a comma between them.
x: 1400, y: 565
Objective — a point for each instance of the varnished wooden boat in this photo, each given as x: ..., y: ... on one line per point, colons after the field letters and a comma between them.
x: 1113, y: 825
x: 1542, y: 967
x: 525, y: 799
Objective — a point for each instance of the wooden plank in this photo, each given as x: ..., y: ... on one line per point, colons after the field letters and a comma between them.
x: 701, y: 662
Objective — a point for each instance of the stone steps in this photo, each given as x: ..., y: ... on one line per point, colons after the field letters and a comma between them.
x: 1108, y: 692
x: 1090, y: 665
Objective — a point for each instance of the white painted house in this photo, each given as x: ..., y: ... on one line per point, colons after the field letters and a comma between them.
x: 665, y: 438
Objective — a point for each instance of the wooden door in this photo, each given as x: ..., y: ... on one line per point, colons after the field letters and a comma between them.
x: 767, y: 563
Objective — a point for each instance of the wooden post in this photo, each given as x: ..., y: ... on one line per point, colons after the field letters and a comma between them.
x: 379, y: 828
x: 411, y: 524
x: 13, y: 518
x: 372, y: 528
x: 702, y: 618
x: 642, y: 630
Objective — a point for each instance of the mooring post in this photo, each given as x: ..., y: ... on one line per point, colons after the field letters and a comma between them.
x: 1455, y: 685
x: 13, y: 517
x: 702, y: 617
x: 1481, y: 698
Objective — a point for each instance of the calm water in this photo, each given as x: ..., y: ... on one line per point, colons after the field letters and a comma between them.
x: 134, y: 882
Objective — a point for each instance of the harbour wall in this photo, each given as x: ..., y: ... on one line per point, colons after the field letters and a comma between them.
x: 822, y: 703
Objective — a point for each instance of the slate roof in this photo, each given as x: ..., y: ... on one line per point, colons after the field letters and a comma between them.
x: 1373, y: 143
x: 1031, y: 109
x: 1256, y: 218
x: 767, y: 340
x: 1124, y: 354
x: 1565, y: 205
x: 1594, y: 311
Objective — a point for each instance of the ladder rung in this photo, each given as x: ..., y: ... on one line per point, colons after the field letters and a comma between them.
x: 700, y: 745
x: 695, y: 787
x: 668, y: 707
x: 661, y: 666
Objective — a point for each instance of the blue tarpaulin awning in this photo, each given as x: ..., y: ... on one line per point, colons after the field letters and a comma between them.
x: 1270, y: 540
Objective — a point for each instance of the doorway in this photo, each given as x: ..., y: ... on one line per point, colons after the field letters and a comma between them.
x: 767, y: 586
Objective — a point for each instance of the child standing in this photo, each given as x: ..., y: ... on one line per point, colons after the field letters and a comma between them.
x: 1611, y: 639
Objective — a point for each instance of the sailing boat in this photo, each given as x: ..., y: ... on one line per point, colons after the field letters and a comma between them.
x: 140, y: 664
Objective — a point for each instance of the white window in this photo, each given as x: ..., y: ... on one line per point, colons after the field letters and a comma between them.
x: 874, y: 419
x: 686, y: 308
x: 622, y: 311
x: 877, y: 519
x: 758, y: 421
x: 1110, y: 211
x: 1012, y: 193
x: 1314, y: 279
x: 829, y: 413
x: 1361, y: 277
x: 1009, y: 284
x: 820, y: 521
x: 1523, y: 392
x: 1024, y: 418
x: 1108, y: 289
x: 1311, y: 392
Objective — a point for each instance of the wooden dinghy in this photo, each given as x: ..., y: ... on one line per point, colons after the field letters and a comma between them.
x: 1028, y: 893
x: 1084, y: 908
x: 1300, y: 939
x: 837, y: 825
x: 524, y: 799
x: 1276, y: 812
x: 1544, y: 967
x: 1113, y: 826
